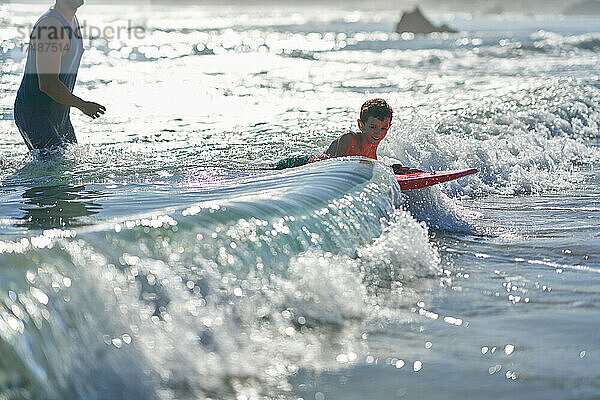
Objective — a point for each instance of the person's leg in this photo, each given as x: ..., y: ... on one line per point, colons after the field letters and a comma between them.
x: 68, y: 133
x: 291, y: 162
x: 40, y: 133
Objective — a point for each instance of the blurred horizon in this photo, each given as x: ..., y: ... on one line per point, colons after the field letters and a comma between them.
x: 572, y: 7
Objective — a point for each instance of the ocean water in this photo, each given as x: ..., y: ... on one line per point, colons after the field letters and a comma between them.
x: 160, y: 259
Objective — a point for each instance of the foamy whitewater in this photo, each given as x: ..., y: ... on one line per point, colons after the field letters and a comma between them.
x: 160, y: 259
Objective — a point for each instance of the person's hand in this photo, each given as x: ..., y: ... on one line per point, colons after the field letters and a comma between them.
x: 92, y: 109
x: 401, y: 170
x: 318, y: 157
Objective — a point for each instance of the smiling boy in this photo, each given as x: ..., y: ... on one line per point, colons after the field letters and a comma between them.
x: 374, y: 123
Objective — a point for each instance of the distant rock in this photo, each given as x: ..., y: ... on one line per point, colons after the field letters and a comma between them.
x: 586, y: 7
x: 494, y: 10
x: 415, y: 22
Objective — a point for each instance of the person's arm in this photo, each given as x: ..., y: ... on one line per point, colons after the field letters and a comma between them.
x: 50, y: 42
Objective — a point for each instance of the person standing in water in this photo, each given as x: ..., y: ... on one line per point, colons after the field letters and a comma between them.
x: 45, y: 97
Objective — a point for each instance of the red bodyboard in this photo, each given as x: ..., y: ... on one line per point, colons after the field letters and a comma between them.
x: 420, y: 180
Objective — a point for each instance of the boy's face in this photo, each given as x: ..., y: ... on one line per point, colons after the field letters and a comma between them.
x: 374, y: 129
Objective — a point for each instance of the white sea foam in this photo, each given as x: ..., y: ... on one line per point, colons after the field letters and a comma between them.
x: 531, y: 150
x: 240, y: 291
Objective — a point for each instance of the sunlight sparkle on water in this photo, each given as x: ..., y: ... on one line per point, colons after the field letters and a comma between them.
x: 417, y: 366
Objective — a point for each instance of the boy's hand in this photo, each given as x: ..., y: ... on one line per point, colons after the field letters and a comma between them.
x: 318, y: 157
x: 400, y: 170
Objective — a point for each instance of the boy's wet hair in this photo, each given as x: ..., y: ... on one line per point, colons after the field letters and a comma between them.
x: 377, y: 108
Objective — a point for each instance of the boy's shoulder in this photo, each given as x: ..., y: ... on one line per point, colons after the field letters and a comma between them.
x: 348, y: 139
x: 344, y: 145
x: 349, y: 135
